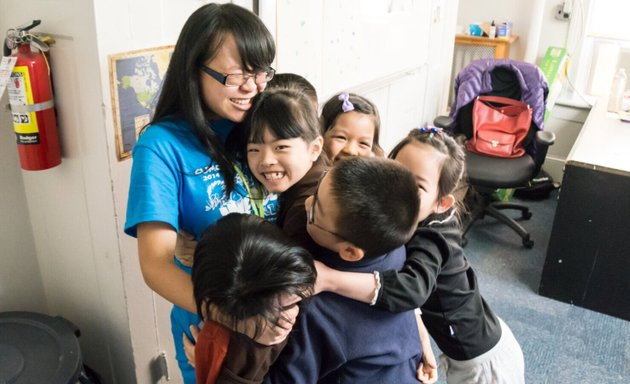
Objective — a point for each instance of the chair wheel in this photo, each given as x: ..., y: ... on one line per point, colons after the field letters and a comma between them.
x: 527, y: 215
x: 463, y: 242
x: 527, y: 243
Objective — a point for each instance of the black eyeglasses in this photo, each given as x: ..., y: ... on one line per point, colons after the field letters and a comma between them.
x: 311, y: 211
x: 238, y: 79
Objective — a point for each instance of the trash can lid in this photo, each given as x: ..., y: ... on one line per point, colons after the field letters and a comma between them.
x: 38, y: 348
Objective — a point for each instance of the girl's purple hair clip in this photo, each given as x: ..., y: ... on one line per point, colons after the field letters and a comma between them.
x: 346, y: 104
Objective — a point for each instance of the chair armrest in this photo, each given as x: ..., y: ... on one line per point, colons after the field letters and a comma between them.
x: 545, y: 138
x: 444, y: 122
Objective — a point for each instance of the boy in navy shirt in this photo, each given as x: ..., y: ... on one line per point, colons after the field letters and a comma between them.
x: 364, y: 210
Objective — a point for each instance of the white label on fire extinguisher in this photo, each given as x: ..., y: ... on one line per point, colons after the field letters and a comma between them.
x: 6, y: 67
x: 20, y: 93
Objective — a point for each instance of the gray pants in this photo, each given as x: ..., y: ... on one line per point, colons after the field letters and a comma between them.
x: 503, y: 364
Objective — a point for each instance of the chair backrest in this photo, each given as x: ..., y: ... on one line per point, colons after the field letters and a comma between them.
x: 500, y: 77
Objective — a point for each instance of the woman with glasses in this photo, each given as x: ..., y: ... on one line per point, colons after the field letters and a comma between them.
x: 183, y: 178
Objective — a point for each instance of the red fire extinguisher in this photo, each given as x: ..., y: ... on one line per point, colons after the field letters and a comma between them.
x: 31, y: 99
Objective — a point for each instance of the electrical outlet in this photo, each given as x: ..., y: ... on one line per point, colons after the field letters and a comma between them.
x: 159, y: 368
x: 561, y: 13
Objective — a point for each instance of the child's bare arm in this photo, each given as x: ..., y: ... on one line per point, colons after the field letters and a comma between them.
x: 427, y: 370
x: 357, y: 286
x: 399, y: 291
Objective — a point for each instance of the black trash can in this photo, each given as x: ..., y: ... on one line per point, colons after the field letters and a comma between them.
x: 37, y: 348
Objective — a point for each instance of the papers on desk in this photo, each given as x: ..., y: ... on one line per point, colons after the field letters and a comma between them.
x: 603, y: 141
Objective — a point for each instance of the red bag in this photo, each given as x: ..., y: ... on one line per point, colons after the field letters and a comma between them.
x: 499, y: 131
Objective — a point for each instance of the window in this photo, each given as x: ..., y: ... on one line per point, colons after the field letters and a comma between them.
x: 599, y: 30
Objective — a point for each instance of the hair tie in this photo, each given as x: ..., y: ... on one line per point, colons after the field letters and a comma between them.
x: 431, y: 130
x: 346, y: 104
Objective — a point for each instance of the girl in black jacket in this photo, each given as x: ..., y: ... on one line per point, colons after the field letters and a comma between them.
x: 478, y: 347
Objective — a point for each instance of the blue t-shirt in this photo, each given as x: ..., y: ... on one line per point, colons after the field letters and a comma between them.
x: 174, y: 180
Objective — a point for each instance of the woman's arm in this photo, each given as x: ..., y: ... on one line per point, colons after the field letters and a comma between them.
x: 156, y: 247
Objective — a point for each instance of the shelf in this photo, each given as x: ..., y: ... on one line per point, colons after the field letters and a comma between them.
x: 501, y: 45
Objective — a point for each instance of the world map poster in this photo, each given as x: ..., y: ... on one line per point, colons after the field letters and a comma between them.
x: 136, y: 80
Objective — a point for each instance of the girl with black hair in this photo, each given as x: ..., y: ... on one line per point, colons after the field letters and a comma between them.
x: 351, y: 125
x: 245, y: 267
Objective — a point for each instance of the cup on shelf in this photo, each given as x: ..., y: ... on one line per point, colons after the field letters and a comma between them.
x: 474, y: 29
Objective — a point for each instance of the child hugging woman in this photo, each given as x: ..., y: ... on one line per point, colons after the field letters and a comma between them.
x: 280, y: 138
x: 284, y: 150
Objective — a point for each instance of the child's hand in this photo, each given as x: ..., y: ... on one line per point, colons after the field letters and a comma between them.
x: 427, y: 369
x: 185, y: 248
x: 189, y: 346
x: 273, y: 334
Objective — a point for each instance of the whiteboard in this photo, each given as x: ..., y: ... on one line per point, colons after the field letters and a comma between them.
x: 343, y: 44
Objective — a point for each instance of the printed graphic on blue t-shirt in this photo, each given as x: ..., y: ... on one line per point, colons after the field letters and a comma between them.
x: 173, y: 180
x: 216, y: 203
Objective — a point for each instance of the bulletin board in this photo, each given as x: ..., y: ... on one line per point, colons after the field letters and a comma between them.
x: 339, y: 45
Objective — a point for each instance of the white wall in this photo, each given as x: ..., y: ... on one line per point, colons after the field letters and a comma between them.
x: 19, y: 270
x: 553, y: 32
x: 350, y: 41
x: 70, y: 207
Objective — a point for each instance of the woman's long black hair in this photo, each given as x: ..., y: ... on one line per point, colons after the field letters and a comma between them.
x: 199, y: 41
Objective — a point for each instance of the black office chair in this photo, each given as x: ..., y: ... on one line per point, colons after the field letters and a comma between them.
x: 485, y: 174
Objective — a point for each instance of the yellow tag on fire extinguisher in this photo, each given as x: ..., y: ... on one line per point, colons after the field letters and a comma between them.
x: 21, y: 94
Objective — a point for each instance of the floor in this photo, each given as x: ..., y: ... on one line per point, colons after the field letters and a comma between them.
x: 562, y: 343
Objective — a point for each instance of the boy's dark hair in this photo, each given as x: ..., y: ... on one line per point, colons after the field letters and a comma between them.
x: 295, y: 82
x: 378, y: 203
x: 454, y: 162
x: 199, y: 41
x: 333, y: 109
x: 286, y: 113
x: 241, y: 265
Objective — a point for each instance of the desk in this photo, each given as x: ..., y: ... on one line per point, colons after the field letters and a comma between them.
x: 588, y: 258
